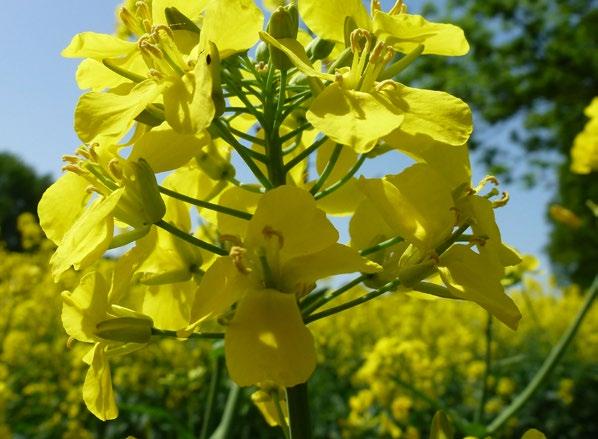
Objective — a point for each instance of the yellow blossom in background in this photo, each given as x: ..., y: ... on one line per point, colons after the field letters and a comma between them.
x: 584, y: 154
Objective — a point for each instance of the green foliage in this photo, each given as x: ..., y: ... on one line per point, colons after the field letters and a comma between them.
x: 530, y: 73
x: 20, y: 190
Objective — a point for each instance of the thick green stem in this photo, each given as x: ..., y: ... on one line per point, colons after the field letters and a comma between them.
x: 487, y: 369
x: 299, y: 417
x: 205, y: 204
x: 212, y: 392
x: 223, y: 430
x: 549, y: 363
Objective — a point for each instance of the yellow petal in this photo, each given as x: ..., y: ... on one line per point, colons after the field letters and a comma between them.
x: 299, y: 274
x: 191, y: 9
x: 532, y: 433
x: 450, y: 161
x: 220, y: 287
x: 342, y: 201
x: 96, y: 76
x: 97, y: 46
x: 292, y: 213
x: 267, y: 342
x: 85, y: 307
x: 327, y: 18
x: 368, y: 225
x: 241, y: 199
x: 232, y: 25
x: 61, y: 205
x: 165, y: 149
x: 169, y: 305
x: 404, y: 32
x: 430, y: 115
x: 88, y: 238
x: 476, y: 277
x: 354, y: 118
x: 97, y: 388
x: 111, y: 114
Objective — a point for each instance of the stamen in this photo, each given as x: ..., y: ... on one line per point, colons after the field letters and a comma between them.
x: 375, y: 6
x: 70, y: 159
x: 397, y: 8
x: 502, y: 201
x: 238, y: 254
x: 115, y: 169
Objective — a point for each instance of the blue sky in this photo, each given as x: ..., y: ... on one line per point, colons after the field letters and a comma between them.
x: 38, y: 94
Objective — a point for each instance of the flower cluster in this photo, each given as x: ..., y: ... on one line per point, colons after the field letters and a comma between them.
x: 206, y: 255
x: 584, y: 154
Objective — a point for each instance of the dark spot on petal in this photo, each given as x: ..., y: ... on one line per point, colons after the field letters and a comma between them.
x: 208, y: 59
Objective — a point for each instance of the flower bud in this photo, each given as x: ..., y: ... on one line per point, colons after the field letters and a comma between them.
x: 319, y: 49
x: 283, y: 24
x: 262, y: 53
x: 126, y: 329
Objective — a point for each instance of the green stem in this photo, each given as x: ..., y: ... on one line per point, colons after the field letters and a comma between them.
x: 249, y: 138
x: 305, y: 153
x: 242, y: 151
x: 196, y: 335
x: 487, y: 369
x: 212, y: 392
x: 343, y: 180
x: 299, y: 416
x: 336, y: 152
x: 205, y: 204
x: 390, y: 286
x: 294, y: 133
x: 381, y: 246
x: 191, y: 239
x: 223, y: 430
x: 325, y: 298
x: 549, y: 363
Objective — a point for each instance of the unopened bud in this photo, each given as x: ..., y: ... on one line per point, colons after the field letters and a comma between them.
x: 319, y: 48
x: 126, y: 329
x: 283, y: 24
x: 262, y: 52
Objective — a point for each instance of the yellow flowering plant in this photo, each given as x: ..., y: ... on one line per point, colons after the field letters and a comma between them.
x: 181, y: 90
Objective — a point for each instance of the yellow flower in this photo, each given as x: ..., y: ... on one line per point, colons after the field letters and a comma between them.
x: 279, y: 255
x: 584, y: 155
x: 420, y: 205
x: 89, y: 316
x: 127, y: 191
x: 402, y: 31
x: 357, y: 109
x: 169, y: 73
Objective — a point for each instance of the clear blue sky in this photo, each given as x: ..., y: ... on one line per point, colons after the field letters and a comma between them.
x: 38, y: 95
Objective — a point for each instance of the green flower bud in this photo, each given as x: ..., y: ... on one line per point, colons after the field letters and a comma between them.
x: 262, y: 53
x: 283, y: 24
x: 126, y: 329
x: 319, y: 49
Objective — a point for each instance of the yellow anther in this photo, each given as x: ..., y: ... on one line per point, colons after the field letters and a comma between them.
x: 70, y: 342
x: 70, y: 158
x: 233, y: 239
x: 115, y: 169
x: 238, y: 255
x: 74, y: 169
x: 375, y: 6
x: 386, y: 84
x: 130, y: 21
x: 397, y: 8
x: 502, y: 201
x: 487, y: 179
x: 375, y: 55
